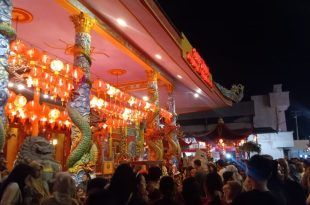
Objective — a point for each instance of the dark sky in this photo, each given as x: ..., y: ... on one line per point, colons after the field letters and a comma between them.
x: 257, y: 43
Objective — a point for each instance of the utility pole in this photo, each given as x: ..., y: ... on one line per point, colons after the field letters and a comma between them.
x: 295, y: 115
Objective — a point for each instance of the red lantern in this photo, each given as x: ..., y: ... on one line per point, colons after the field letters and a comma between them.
x: 18, y: 46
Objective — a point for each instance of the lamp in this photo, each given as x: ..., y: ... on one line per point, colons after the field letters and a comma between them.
x: 57, y: 65
x: 20, y: 101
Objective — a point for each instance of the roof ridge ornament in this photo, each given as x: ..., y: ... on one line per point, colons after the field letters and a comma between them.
x: 235, y: 93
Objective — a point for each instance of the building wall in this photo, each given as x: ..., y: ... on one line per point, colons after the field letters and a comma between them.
x: 270, y: 109
x: 274, y: 143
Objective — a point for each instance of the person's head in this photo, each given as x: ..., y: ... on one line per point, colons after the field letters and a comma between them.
x: 197, y: 164
x: 259, y: 170
x: 231, y: 189
x: 123, y: 182
x: 154, y: 173
x: 167, y: 186
x: 64, y: 184
x: 284, y: 168
x: 193, y: 172
x: 86, y: 177
x: 228, y: 176
x: 18, y: 175
x: 220, y: 164
x: 213, y: 184
x: 96, y: 184
x: 38, y: 168
x: 191, y: 192
x: 212, y: 168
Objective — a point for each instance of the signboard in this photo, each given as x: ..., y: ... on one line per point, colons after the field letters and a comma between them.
x: 199, y: 66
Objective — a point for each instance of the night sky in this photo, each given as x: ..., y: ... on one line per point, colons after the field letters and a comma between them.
x: 257, y: 43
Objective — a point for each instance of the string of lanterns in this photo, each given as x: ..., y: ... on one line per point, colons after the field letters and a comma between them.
x: 56, y: 79
x: 19, y: 108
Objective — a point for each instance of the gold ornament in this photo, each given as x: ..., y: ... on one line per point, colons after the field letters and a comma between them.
x: 83, y: 23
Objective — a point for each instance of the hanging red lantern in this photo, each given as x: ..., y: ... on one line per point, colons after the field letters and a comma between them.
x: 18, y: 46
x: 33, y: 54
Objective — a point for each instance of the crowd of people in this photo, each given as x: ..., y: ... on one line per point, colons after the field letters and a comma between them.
x: 259, y: 180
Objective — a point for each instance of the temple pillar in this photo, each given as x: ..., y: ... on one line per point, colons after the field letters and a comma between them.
x: 156, y: 148
x: 79, y: 106
x: 140, y: 128
x: 174, y: 148
x: 7, y: 33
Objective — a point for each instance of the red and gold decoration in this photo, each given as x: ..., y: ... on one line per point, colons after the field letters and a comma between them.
x: 199, y: 66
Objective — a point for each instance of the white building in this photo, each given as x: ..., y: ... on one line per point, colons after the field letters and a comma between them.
x: 270, y: 113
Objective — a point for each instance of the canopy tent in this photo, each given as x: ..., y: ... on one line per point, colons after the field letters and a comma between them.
x: 221, y: 131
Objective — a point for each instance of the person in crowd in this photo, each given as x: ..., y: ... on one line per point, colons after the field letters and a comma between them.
x: 153, y: 183
x: 212, y: 168
x: 200, y: 176
x: 227, y: 176
x: 187, y: 171
x: 85, y: 178
x: 140, y: 195
x: 123, y: 185
x: 197, y: 166
x: 193, y: 172
x: 236, y: 176
x: 221, y: 167
x: 98, y: 183
x: 259, y: 170
x: 293, y: 191
x: 168, y: 192
x: 35, y: 191
x: 275, y: 183
x: 191, y: 192
x: 12, y: 187
x: 63, y: 191
x: 214, y: 188
x: 231, y: 190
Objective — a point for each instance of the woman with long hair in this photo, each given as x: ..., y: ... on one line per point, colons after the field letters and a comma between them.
x: 123, y: 184
x: 12, y: 187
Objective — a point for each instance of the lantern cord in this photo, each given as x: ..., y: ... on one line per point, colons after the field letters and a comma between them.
x: 16, y: 24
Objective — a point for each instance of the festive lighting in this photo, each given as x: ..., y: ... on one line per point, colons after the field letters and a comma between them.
x: 57, y: 65
x: 20, y: 101
x: 54, y: 142
x: 179, y: 76
x: 121, y: 22
x: 54, y: 114
x: 196, y: 95
x: 20, y: 87
x: 10, y: 84
x: 158, y: 56
x: 228, y: 156
x: 145, y: 98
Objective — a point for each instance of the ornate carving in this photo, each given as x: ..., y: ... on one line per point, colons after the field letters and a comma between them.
x: 83, y: 23
x: 235, y: 93
x: 81, y: 156
x: 40, y: 150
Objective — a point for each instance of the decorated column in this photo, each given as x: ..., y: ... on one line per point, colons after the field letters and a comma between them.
x: 154, y: 140
x: 79, y: 106
x: 6, y: 34
x: 173, y: 142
